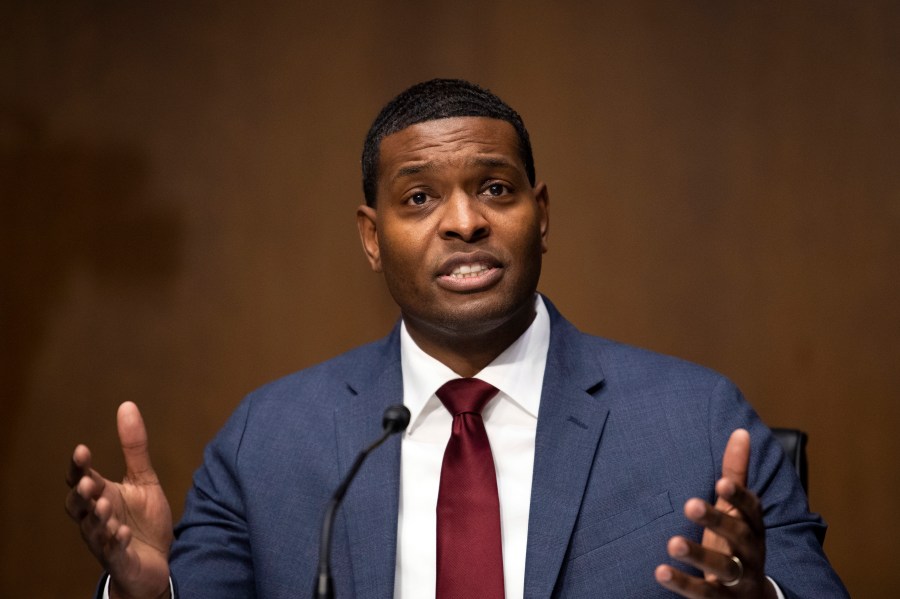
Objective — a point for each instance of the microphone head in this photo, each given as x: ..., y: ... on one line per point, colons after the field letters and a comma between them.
x: 396, y: 419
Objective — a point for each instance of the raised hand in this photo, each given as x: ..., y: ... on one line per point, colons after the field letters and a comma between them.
x: 127, y: 525
x: 733, y: 552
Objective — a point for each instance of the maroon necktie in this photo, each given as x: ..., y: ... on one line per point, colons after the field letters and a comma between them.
x: 469, y: 552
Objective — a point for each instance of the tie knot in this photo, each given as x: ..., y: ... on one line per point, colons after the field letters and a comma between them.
x: 466, y: 395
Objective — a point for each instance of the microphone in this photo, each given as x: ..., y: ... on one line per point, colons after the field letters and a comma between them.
x: 396, y: 419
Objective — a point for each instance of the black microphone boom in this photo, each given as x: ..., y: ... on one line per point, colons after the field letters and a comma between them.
x: 396, y: 419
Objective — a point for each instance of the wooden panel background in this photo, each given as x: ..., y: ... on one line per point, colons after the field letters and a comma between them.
x: 179, y: 180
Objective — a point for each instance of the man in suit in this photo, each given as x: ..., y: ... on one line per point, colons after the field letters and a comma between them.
x: 619, y: 472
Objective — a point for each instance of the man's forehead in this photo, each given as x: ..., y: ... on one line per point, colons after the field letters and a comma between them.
x: 471, y: 135
x: 414, y: 168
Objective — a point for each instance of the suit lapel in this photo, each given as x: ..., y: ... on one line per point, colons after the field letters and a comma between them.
x: 370, y: 506
x: 570, y: 423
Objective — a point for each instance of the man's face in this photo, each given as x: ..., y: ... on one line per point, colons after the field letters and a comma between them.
x: 458, y: 231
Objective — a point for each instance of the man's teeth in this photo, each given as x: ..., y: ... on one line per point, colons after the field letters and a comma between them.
x: 469, y: 270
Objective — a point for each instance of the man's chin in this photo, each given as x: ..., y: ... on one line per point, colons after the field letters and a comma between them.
x: 479, y: 316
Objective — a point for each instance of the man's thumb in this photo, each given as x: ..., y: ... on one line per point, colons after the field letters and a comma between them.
x: 133, y: 437
x: 736, y: 460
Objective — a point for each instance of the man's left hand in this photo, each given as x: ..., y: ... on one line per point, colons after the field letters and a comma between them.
x: 732, y: 555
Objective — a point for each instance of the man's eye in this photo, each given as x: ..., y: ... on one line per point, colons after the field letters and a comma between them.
x: 496, y: 189
x: 418, y: 198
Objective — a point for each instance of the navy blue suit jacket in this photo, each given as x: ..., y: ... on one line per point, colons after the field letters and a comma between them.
x: 624, y: 437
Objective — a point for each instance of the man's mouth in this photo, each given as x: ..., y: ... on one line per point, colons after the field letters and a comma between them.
x: 468, y: 271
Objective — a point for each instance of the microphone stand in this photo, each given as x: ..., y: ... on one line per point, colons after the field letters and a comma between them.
x: 396, y: 419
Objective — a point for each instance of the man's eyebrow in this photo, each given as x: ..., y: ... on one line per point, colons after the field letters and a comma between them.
x: 492, y: 162
x: 413, y: 169
x: 482, y: 161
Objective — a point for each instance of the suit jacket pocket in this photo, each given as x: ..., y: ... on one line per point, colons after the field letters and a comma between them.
x: 593, y: 535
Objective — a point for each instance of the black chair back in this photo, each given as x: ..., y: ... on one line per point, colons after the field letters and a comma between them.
x: 794, y: 443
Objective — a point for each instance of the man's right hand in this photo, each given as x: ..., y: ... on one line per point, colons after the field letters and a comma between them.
x: 127, y: 525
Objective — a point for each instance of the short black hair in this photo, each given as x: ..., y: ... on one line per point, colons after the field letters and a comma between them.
x: 432, y: 100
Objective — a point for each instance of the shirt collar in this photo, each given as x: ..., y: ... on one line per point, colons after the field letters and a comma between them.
x: 518, y: 372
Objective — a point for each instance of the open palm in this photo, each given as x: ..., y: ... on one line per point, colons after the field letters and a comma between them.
x: 127, y: 525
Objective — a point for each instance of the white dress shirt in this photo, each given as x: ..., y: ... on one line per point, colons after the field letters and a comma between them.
x: 510, y: 419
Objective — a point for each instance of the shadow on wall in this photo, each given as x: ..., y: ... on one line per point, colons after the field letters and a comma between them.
x: 67, y: 205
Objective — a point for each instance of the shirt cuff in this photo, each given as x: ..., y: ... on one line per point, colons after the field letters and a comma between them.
x: 172, y: 588
x: 774, y: 584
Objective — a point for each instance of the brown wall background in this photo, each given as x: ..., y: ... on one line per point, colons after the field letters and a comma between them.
x: 179, y: 180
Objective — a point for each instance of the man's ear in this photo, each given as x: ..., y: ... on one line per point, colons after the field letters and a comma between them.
x: 542, y: 197
x: 366, y: 222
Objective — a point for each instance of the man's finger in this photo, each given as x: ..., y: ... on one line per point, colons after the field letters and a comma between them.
x: 678, y: 582
x: 736, y: 460
x: 118, y: 552
x: 94, y: 532
x: 133, y: 437
x: 77, y: 506
x: 79, y: 465
x: 89, y: 488
x: 745, y: 502
x: 709, y: 561
x: 104, y: 511
x: 732, y: 529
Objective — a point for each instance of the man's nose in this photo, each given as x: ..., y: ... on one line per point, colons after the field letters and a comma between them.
x: 463, y: 218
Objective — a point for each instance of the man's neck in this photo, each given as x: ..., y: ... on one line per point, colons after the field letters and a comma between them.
x: 467, y: 353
